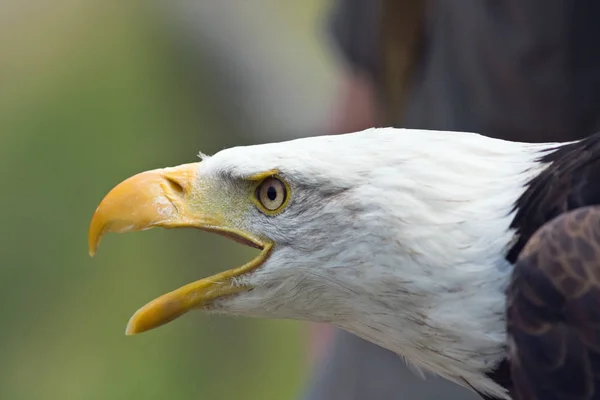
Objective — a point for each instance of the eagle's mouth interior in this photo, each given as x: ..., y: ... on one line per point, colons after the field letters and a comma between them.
x: 202, y: 293
x: 236, y: 237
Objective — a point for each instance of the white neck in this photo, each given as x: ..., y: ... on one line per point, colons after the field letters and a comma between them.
x: 432, y: 212
x: 449, y: 316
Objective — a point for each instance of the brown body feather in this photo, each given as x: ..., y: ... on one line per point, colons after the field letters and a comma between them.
x: 553, y: 312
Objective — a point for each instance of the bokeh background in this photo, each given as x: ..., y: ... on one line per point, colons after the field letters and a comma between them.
x: 92, y: 92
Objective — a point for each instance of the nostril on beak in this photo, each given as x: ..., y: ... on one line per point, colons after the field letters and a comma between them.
x: 175, y: 186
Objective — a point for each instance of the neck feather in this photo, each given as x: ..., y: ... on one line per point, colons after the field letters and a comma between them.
x: 444, y: 274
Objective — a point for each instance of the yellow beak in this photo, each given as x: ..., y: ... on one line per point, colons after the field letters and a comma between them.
x: 161, y: 198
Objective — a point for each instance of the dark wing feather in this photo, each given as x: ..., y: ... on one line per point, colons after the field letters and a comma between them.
x: 569, y: 182
x: 553, y: 311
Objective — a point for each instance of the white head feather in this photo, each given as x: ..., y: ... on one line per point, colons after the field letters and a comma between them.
x: 398, y: 236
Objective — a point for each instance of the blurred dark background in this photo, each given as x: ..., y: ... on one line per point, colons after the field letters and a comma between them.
x: 93, y: 92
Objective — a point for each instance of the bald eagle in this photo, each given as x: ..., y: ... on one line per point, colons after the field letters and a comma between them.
x: 474, y: 258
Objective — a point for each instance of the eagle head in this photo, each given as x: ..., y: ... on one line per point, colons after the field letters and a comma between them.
x: 319, y: 212
x: 396, y: 235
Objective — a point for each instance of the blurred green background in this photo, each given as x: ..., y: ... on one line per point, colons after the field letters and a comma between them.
x: 92, y: 92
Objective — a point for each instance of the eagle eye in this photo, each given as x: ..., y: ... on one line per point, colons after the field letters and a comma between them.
x: 272, y: 194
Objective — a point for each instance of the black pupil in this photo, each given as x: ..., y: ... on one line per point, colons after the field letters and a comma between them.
x: 271, y: 193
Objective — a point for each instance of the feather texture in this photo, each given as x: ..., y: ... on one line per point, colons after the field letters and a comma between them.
x: 553, y: 314
x: 399, y: 236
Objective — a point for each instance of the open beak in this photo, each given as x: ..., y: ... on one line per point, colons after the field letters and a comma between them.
x: 163, y: 198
